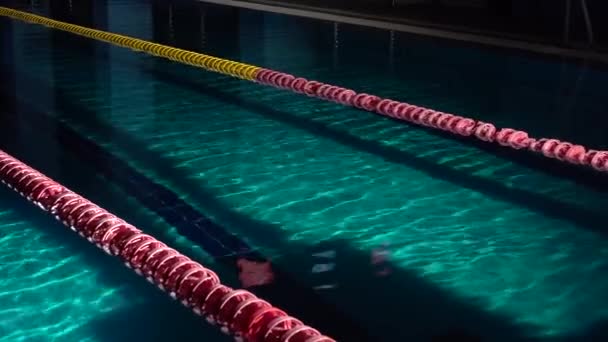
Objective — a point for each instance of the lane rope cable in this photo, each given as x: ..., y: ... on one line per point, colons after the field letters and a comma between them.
x: 458, y: 125
x: 238, y: 312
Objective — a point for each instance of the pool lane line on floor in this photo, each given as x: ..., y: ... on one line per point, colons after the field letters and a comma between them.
x: 457, y: 125
x: 225, y: 247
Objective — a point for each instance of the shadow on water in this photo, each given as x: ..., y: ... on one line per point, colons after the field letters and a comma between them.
x: 596, y: 332
x: 534, y: 201
x: 403, y: 305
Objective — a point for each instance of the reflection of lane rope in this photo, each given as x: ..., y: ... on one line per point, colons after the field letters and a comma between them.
x: 324, y: 270
x: 196, y: 287
x: 461, y: 126
x: 254, y: 273
x: 381, y: 260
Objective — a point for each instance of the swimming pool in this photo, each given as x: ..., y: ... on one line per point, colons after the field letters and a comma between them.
x: 481, y: 240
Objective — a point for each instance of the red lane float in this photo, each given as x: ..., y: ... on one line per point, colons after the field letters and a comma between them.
x: 551, y: 148
x: 238, y: 312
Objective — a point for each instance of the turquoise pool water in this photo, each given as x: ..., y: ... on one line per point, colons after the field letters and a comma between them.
x: 500, y: 245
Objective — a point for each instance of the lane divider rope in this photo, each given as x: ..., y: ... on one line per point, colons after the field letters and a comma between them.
x: 237, y: 312
x: 458, y: 125
x: 210, y: 63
